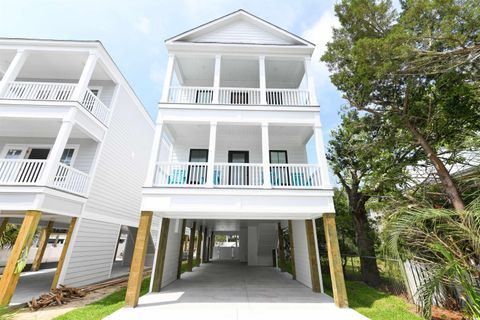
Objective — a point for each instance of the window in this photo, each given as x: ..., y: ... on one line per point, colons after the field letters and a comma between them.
x: 239, y: 97
x: 198, y: 155
x: 204, y: 96
x: 67, y: 156
x: 197, y: 174
x: 278, y: 156
x: 274, y: 98
x: 14, y: 154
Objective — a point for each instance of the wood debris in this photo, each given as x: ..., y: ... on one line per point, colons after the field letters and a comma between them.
x: 56, y: 297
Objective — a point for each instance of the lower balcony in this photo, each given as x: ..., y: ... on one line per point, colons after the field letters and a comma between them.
x: 28, y: 172
x: 238, y: 175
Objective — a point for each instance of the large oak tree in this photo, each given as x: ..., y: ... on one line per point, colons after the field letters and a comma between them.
x: 417, y: 71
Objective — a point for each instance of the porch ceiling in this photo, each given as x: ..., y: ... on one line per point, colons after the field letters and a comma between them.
x: 199, y: 133
x: 35, y: 127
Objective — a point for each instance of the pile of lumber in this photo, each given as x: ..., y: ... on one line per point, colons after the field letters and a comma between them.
x: 63, y: 294
x: 56, y: 297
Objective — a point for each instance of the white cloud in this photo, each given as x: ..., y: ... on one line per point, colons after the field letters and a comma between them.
x: 143, y: 25
x: 321, y: 33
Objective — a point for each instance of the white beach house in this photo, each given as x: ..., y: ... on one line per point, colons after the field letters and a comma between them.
x: 74, y: 147
x: 229, y: 154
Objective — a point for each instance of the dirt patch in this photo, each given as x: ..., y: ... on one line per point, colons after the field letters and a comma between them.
x: 52, y: 312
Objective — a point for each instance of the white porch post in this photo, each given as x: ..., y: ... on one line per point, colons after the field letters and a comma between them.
x: 266, y: 156
x: 13, y: 70
x: 216, y: 79
x: 321, y: 158
x: 167, y: 82
x: 152, y: 164
x: 56, y: 151
x: 211, y: 154
x: 263, y: 80
x: 85, y: 77
x: 310, y: 81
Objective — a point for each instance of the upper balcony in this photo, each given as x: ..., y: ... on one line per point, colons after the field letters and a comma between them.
x: 240, y: 81
x: 57, y: 77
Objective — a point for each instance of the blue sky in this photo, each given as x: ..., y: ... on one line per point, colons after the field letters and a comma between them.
x: 133, y: 32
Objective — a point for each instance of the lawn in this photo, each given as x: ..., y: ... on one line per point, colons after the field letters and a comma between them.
x: 374, y: 304
x: 107, y: 305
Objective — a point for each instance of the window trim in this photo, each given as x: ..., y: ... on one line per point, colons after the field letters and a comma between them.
x: 270, y: 156
x: 25, y: 147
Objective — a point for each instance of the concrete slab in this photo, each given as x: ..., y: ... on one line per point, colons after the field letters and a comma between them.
x: 232, y: 290
x: 32, y: 284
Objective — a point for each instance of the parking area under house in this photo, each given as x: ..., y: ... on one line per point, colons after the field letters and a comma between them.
x: 226, y: 289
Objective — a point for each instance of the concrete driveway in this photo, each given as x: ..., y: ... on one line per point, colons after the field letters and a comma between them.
x: 232, y: 290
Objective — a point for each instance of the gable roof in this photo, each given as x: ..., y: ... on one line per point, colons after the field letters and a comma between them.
x: 240, y: 27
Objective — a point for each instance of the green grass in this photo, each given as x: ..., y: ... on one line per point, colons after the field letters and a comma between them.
x: 103, y: 307
x: 372, y: 303
x: 108, y: 304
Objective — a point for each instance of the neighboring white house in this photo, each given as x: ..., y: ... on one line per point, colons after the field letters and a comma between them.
x: 229, y: 154
x: 74, y: 143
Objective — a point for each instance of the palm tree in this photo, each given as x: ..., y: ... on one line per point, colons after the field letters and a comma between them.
x: 447, y: 242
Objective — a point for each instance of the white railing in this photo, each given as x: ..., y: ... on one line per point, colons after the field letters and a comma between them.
x: 39, y: 91
x: 70, y: 179
x: 295, y: 176
x: 238, y: 174
x: 288, y: 97
x: 96, y: 107
x: 239, y: 96
x: 201, y: 95
x: 181, y: 174
x: 20, y: 171
x: 52, y: 91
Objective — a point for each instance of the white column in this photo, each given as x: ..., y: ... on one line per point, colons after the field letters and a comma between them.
x: 321, y: 158
x: 216, y: 79
x: 58, y: 147
x: 211, y: 154
x: 263, y: 80
x: 266, y: 156
x: 13, y: 70
x: 310, y: 81
x: 152, y: 164
x: 85, y: 77
x: 167, y: 82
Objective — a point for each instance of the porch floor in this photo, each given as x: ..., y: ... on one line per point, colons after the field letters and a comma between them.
x: 231, y: 290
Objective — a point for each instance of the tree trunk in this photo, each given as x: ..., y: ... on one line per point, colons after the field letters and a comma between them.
x: 365, y: 244
x: 447, y: 181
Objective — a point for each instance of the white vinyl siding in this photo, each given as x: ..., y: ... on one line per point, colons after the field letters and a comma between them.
x: 302, y: 266
x: 171, y: 254
x: 120, y: 173
x: 241, y: 32
x: 91, y: 253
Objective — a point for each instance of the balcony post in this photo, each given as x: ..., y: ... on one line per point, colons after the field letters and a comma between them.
x: 167, y: 82
x: 266, y: 156
x: 13, y: 70
x: 211, y: 154
x: 321, y: 158
x: 263, y: 80
x: 85, y: 77
x: 216, y: 79
x: 58, y: 147
x: 310, y: 81
x: 152, y: 165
